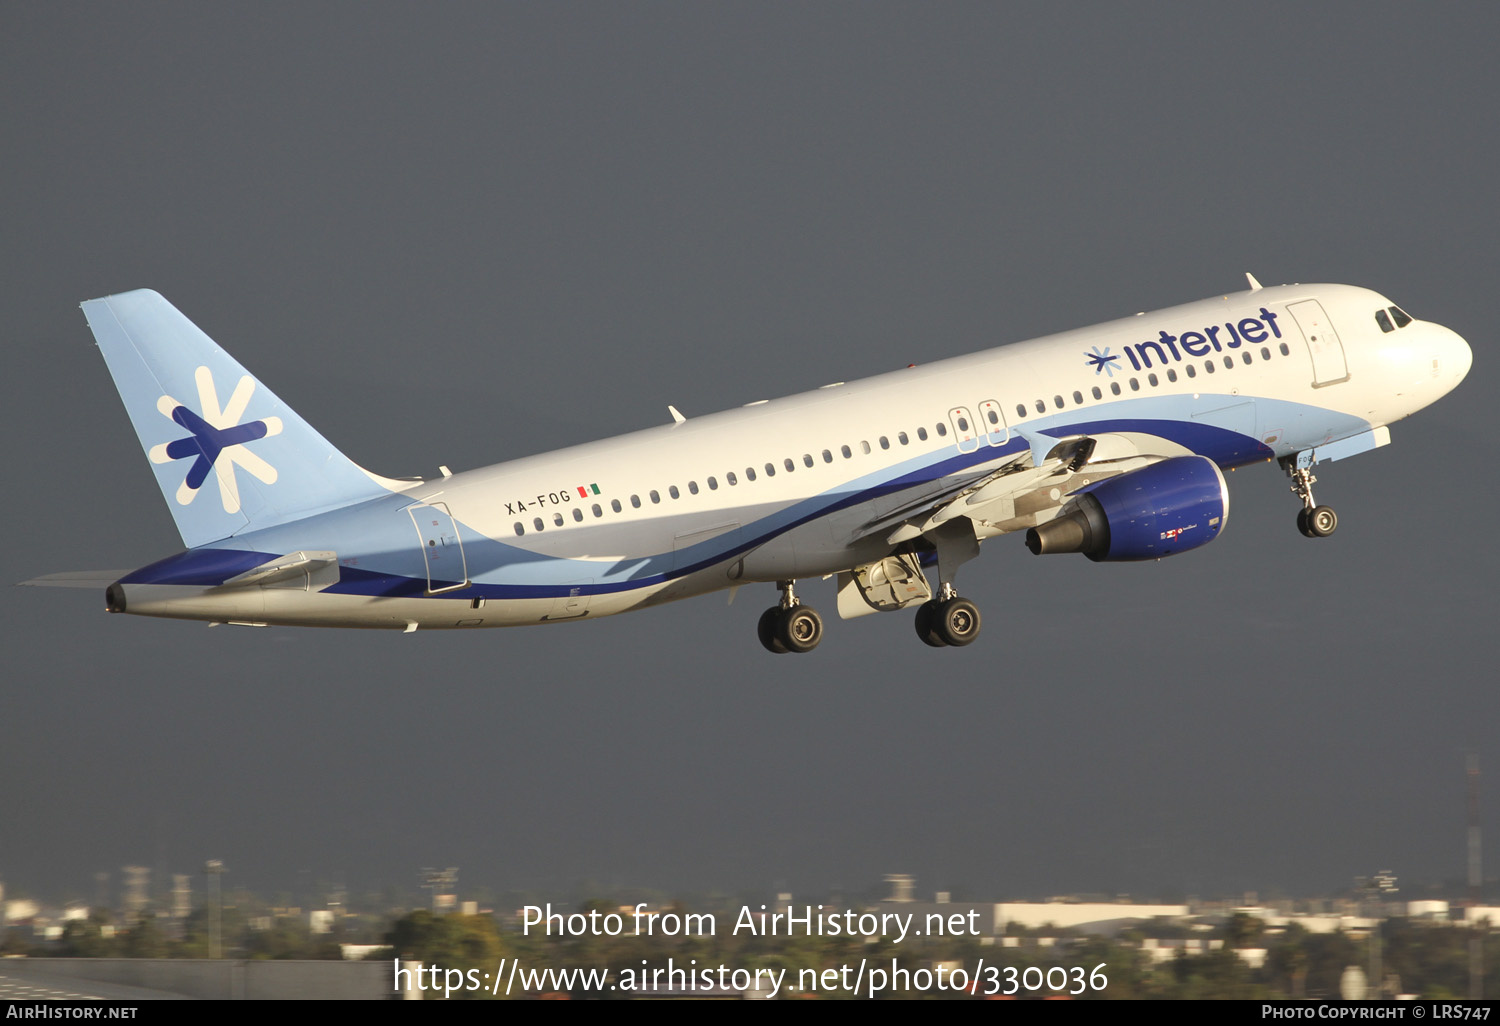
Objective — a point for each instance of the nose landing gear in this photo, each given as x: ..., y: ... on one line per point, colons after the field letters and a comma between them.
x: 1313, y: 521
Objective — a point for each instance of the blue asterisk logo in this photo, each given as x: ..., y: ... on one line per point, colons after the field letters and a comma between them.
x: 216, y: 440
x: 1102, y: 361
x: 207, y: 442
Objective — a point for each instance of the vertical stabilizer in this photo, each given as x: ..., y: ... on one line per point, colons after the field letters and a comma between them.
x: 228, y: 454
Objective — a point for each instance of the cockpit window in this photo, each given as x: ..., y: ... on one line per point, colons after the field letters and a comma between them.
x: 1402, y: 317
x: 1384, y: 321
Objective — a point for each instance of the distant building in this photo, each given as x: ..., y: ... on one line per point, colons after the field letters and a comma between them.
x: 1088, y: 916
x: 1165, y: 949
x: 21, y: 909
x: 1427, y: 909
x: 992, y: 920
x: 1475, y: 914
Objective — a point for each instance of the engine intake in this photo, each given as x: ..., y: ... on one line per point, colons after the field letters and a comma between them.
x: 1160, y: 510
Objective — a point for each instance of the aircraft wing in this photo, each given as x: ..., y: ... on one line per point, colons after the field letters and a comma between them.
x: 1028, y: 489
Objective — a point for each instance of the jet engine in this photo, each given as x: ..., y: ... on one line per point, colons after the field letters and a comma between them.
x: 1160, y: 510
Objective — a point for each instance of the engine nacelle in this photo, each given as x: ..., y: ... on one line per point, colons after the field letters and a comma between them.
x: 1157, y: 511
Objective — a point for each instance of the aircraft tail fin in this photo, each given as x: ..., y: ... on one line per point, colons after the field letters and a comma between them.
x: 228, y: 454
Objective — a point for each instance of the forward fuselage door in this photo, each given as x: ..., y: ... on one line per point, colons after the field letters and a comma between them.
x: 1329, y: 364
x: 442, y: 549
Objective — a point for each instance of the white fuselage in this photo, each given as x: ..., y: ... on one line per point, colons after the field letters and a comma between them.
x: 802, y: 486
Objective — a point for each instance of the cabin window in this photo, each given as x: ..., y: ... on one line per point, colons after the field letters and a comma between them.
x: 673, y: 492
x: 1097, y: 394
x: 614, y: 504
x: 1152, y: 378
x: 598, y: 511
x: 827, y: 456
x: 942, y: 429
x: 1208, y: 365
x: 713, y: 484
x: 1171, y: 373
x: 1077, y: 399
x: 846, y: 451
x: 1020, y: 409
x: 635, y: 500
x: 1114, y: 387
x: 1284, y: 350
x: 1265, y: 354
x: 963, y: 423
x: 537, y: 523
x: 557, y: 519
x: 864, y: 447
x: 520, y: 530
x: 578, y: 514
x: 1192, y: 371
x: 790, y: 466
x: 1057, y: 401
x: 994, y: 417
x: 1135, y: 384
x: 807, y: 459
x: 1245, y: 358
x: 1041, y: 407
x: 1229, y: 363
x: 903, y: 438
x: 655, y: 495
x: 885, y: 443
x: 731, y: 478
x: 922, y: 434
x: 749, y: 473
x: 770, y: 470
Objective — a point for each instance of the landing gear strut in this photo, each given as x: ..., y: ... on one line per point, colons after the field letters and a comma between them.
x: 1313, y: 521
x: 789, y: 626
x: 948, y: 620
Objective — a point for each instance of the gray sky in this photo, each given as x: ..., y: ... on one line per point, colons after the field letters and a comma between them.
x: 465, y: 233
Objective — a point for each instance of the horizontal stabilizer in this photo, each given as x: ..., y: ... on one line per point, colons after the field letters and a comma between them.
x: 76, y: 579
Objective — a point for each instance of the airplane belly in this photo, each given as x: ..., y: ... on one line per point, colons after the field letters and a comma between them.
x: 807, y: 551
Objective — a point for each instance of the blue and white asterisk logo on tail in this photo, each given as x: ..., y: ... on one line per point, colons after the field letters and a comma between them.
x: 217, y: 440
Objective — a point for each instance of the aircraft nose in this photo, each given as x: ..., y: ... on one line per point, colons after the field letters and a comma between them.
x: 1457, y: 356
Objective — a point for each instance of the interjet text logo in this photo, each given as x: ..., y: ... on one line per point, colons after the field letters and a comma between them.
x: 217, y: 440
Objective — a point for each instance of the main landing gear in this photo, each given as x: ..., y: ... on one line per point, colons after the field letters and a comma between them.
x: 948, y: 620
x: 1313, y: 521
x: 790, y: 626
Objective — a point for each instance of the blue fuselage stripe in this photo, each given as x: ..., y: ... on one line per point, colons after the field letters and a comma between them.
x: 211, y: 566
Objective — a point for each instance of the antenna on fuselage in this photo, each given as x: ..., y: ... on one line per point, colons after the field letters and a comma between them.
x: 1255, y: 286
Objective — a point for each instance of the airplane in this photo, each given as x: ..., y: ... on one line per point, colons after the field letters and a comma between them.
x: 1109, y: 441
